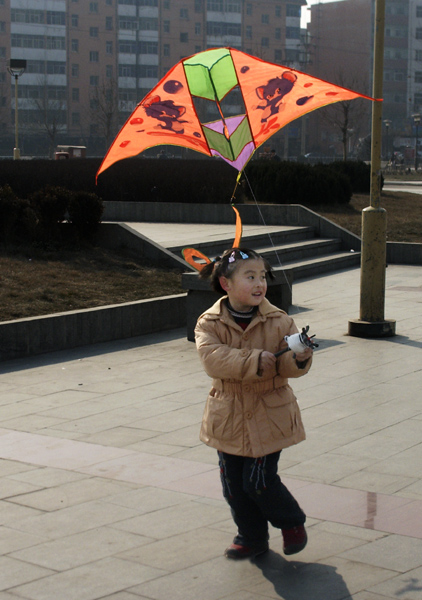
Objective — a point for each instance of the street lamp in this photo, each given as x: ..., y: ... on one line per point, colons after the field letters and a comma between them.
x: 16, y: 68
x: 387, y: 124
x: 416, y: 120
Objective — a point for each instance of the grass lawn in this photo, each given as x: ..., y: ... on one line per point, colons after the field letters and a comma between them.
x: 39, y: 282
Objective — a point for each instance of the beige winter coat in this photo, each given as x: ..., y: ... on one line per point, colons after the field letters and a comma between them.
x: 247, y: 414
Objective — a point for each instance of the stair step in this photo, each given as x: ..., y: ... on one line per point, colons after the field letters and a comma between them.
x: 321, y: 264
x: 284, y: 236
x: 298, y: 250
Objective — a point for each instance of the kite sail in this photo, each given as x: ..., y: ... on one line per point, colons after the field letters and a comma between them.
x: 272, y: 96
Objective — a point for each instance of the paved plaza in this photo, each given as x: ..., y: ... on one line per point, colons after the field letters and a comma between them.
x: 106, y: 491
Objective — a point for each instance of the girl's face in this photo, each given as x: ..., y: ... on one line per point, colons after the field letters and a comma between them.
x: 247, y: 285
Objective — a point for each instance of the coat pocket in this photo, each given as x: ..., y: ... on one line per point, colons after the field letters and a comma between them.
x: 218, y: 416
x: 281, y: 413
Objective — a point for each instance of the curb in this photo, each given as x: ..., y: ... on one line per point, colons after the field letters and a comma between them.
x: 62, y: 331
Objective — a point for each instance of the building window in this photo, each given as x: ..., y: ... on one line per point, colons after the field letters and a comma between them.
x: 418, y: 55
x: 418, y: 76
x: 166, y: 4
x: 249, y: 9
x: 148, y: 48
x: 109, y: 47
x: 148, y: 24
x: 248, y: 32
x: 419, y: 33
x: 94, y: 56
x: 127, y: 71
x: 109, y: 71
x: 74, y: 45
x: 265, y: 19
x: 56, y: 18
x: 215, y: 5
x: 184, y: 13
x: 56, y: 68
x: 184, y: 38
x: 75, y: 70
x: 148, y: 71
x: 293, y: 33
x: 75, y: 20
x: 198, y: 28
x: 93, y: 32
x: 109, y: 23
x: 277, y: 33
x: 198, y: 6
x: 166, y: 26
x: 292, y: 55
x: 75, y: 94
x: 223, y: 28
x: 94, y: 80
x: 293, y: 10
x: 93, y: 7
x: 166, y: 49
x: 76, y: 118
x: 265, y: 42
x: 419, y: 11
x: 278, y: 55
x: 278, y: 10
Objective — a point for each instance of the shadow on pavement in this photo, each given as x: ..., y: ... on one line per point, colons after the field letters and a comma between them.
x: 302, y: 581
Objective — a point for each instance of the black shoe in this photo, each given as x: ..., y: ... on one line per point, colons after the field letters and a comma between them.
x: 238, y: 551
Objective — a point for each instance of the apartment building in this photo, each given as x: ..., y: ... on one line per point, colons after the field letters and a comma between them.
x: 341, y: 50
x: 90, y: 63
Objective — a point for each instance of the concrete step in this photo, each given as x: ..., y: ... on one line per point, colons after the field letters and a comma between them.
x: 299, y: 250
x: 282, y: 237
x: 321, y: 264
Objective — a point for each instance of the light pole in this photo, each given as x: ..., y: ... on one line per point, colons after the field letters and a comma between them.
x: 16, y: 68
x: 371, y: 322
x: 387, y: 124
x: 416, y: 120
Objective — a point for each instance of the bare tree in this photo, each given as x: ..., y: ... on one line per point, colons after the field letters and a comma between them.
x: 49, y: 112
x: 349, y: 117
x: 104, y: 109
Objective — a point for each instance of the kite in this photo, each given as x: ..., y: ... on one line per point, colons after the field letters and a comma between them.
x: 268, y: 95
x: 265, y: 96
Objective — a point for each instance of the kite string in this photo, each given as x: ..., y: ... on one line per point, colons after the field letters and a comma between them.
x: 268, y: 233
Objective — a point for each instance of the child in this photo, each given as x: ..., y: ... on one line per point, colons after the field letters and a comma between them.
x: 251, y: 412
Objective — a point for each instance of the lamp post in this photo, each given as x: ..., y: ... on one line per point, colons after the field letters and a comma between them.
x: 387, y: 124
x: 416, y: 120
x: 16, y: 68
x: 371, y: 322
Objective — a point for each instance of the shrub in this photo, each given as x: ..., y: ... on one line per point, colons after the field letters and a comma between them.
x: 17, y: 219
x: 50, y: 204
x: 297, y: 183
x: 85, y: 212
x: 358, y: 173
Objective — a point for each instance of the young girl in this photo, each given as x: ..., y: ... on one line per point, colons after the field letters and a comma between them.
x: 251, y: 412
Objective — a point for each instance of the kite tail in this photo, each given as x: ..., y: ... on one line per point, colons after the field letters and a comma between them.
x: 269, y: 234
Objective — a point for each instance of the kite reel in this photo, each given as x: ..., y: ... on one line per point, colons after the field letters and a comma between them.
x: 298, y: 342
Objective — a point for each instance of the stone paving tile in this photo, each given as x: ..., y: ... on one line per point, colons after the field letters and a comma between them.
x: 394, y: 552
x: 407, y: 585
x: 89, y: 582
x: 82, y: 548
x: 15, y: 573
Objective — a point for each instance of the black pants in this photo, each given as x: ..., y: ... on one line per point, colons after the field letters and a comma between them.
x: 257, y: 496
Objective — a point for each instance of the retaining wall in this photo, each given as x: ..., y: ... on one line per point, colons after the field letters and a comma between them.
x: 62, y: 331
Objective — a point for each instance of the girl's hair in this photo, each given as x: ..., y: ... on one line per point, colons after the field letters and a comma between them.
x: 225, y: 265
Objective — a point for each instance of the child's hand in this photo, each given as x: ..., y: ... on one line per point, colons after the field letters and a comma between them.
x: 266, y: 360
x: 303, y: 356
